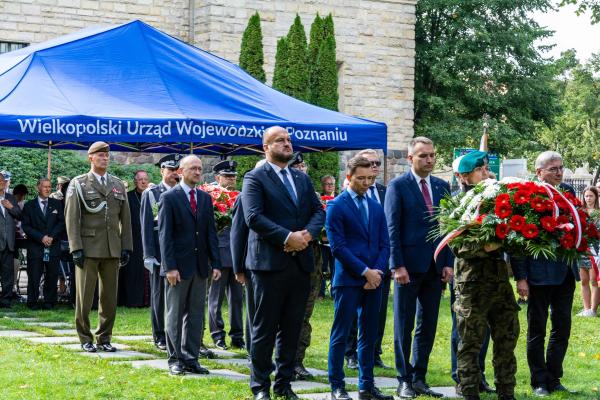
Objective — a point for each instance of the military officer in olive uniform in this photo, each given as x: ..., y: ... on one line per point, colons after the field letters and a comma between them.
x: 99, y: 229
x: 484, y: 297
x: 149, y: 220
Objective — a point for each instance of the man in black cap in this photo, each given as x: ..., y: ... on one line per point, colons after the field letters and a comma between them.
x: 226, y: 175
x: 149, y: 221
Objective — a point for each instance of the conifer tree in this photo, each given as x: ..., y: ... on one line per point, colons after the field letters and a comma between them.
x: 297, y: 61
x: 280, y: 71
x: 251, y: 54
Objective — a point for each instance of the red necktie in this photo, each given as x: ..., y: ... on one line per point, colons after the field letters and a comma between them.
x: 193, y: 201
x: 426, y: 195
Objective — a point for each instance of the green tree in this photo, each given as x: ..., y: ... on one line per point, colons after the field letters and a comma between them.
x: 480, y: 57
x: 297, y: 61
x: 280, y: 71
x: 251, y: 54
x: 584, y: 6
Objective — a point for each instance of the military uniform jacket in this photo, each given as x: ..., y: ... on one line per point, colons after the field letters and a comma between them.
x: 101, y: 234
x: 149, y: 220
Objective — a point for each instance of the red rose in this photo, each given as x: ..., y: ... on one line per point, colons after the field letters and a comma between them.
x: 515, y: 185
x: 503, y: 210
x: 592, y: 231
x: 501, y: 231
x: 562, y: 219
x: 583, y: 246
x: 503, y: 199
x: 530, y: 231
x: 567, y: 241
x: 538, y: 204
x: 562, y: 204
x: 221, y: 207
x: 548, y: 223
x: 480, y: 218
x: 517, y: 222
x: 522, y: 196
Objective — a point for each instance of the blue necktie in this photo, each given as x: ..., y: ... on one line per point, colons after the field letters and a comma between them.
x: 288, y: 185
x: 363, y: 211
x: 373, y: 195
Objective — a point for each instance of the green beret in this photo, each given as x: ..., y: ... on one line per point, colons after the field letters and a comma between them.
x: 471, y: 160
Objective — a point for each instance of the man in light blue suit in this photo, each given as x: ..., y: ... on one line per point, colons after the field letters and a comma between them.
x: 357, y: 232
x: 410, y: 205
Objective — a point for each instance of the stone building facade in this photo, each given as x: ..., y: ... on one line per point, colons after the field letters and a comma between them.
x: 375, y: 41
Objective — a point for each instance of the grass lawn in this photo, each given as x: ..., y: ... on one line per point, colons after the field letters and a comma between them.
x: 35, y: 371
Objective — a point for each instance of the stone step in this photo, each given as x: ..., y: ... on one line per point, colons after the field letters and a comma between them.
x: 118, y: 354
x: 11, y: 333
x: 53, y: 339
x: 77, y: 347
x: 49, y: 324
x: 380, y: 381
x: 145, y: 338
x: 65, y: 331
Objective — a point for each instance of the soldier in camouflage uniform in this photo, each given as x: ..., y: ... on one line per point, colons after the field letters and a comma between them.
x: 484, y: 297
x: 300, y: 373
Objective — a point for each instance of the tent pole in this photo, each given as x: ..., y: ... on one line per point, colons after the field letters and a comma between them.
x: 49, y: 173
x: 191, y: 147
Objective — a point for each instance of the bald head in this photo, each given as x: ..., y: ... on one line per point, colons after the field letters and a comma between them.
x: 277, y: 146
x: 190, y: 168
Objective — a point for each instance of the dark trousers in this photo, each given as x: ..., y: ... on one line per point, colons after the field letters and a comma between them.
x: 235, y: 300
x: 280, y: 301
x: 348, y: 301
x: 184, y: 319
x: 421, y: 299
x: 546, y: 367
x: 455, y: 339
x: 35, y: 269
x: 7, y: 276
x: 157, y: 305
x: 351, y: 344
x: 250, y: 309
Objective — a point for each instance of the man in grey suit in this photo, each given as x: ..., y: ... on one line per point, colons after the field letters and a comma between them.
x: 149, y: 222
x: 225, y: 175
x: 190, y: 253
x: 9, y: 211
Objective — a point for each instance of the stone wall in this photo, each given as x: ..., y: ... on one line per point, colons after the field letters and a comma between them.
x: 375, y: 40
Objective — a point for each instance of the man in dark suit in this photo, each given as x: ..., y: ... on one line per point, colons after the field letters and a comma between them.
x: 357, y: 232
x: 549, y: 285
x: 376, y: 192
x: 189, y: 251
x: 409, y: 208
x: 149, y: 227
x: 9, y: 212
x: 226, y: 176
x: 284, y: 215
x: 43, y: 221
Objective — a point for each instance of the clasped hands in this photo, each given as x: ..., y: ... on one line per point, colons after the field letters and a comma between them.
x: 373, y: 277
x: 297, y: 241
x: 47, y: 241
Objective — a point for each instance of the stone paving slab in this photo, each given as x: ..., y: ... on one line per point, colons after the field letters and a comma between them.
x: 163, y: 365
x: 25, y: 319
x: 145, y: 338
x: 54, y: 339
x: 118, y: 354
x: 231, y: 361
x: 224, y: 353
x: 380, y: 382
x: 11, y: 333
x: 50, y: 324
x: 65, y: 331
x: 448, y: 392
x: 317, y: 372
x: 309, y: 385
x: 77, y: 346
x: 159, y: 363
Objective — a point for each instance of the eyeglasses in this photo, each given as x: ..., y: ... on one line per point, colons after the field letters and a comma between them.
x: 555, y: 170
x: 375, y: 163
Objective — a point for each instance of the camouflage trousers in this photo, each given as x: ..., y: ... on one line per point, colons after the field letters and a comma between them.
x: 480, y: 304
x: 315, y: 285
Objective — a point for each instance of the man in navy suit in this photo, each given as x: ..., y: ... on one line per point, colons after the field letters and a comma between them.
x: 43, y: 221
x: 284, y: 214
x: 409, y: 209
x: 189, y: 251
x: 549, y: 285
x: 358, y: 236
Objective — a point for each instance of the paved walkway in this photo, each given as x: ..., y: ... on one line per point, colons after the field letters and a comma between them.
x: 66, y: 338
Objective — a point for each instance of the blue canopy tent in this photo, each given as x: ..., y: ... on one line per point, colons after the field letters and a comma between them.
x: 142, y: 90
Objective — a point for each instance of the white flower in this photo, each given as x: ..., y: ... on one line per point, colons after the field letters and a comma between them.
x: 512, y: 179
x: 490, y: 191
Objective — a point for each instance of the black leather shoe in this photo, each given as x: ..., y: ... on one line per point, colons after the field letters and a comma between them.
x: 379, y: 363
x: 262, y: 395
x: 541, y: 391
x: 351, y: 363
x: 422, y: 389
x: 286, y: 394
x: 195, y: 368
x: 373, y: 394
x: 89, y: 347
x: 485, y: 387
x: 161, y: 345
x: 238, y: 343
x: 106, y: 347
x: 176, y: 369
x: 206, y: 353
x: 340, y: 394
x: 406, y: 391
x: 561, y: 389
x: 301, y: 374
x: 220, y: 344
